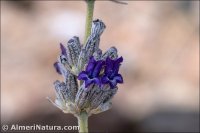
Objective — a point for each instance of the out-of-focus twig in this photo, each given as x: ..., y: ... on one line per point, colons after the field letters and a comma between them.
x: 119, y: 2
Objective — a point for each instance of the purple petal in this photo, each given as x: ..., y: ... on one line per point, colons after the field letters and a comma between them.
x: 113, y: 84
x: 91, y: 64
x: 109, y: 65
x: 92, y: 81
x: 104, y: 80
x: 83, y: 76
x: 96, y: 80
x: 118, y: 78
x: 119, y: 60
x: 88, y: 82
x: 117, y: 65
x: 97, y: 68
x: 57, y: 67
x: 63, y: 49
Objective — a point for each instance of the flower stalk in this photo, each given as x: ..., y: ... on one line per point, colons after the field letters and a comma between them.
x: 89, y: 18
x: 83, y: 122
x: 83, y: 117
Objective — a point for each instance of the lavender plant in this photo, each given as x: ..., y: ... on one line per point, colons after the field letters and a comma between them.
x: 90, y: 76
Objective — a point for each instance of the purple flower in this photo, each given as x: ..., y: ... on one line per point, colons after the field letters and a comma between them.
x: 57, y: 67
x: 111, y: 75
x: 63, y: 53
x: 63, y: 49
x: 91, y: 74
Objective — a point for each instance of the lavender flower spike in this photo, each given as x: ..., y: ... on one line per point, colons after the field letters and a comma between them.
x: 97, y: 74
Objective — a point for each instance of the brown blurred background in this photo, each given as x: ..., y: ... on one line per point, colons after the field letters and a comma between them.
x: 158, y: 40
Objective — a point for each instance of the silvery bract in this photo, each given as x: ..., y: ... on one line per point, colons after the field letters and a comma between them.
x: 90, y: 77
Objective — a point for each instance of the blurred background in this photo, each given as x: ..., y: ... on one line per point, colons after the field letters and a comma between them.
x: 158, y: 40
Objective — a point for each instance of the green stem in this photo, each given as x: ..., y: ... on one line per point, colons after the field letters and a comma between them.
x: 83, y: 117
x: 83, y: 122
x: 89, y: 18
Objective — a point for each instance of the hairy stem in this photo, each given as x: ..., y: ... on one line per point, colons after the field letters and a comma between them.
x: 89, y: 18
x: 83, y: 122
x: 83, y: 117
